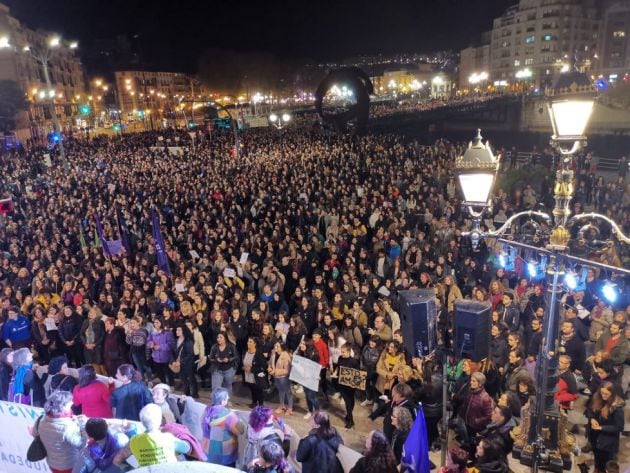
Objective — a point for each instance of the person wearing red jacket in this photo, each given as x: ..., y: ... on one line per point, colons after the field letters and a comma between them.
x: 476, y: 410
x: 324, y: 358
x: 567, y: 385
x: 92, y: 395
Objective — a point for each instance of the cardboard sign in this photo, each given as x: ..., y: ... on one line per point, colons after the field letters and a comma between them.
x: 305, y: 372
x: 352, y: 378
x: 229, y: 273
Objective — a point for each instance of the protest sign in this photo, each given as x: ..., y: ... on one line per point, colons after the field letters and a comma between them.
x: 352, y: 378
x: 305, y: 372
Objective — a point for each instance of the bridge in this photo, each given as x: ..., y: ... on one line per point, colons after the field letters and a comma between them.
x: 515, y: 119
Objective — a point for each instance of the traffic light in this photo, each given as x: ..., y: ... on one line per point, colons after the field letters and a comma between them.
x: 85, y: 109
x: 140, y: 113
x: 116, y: 127
x: 191, y: 124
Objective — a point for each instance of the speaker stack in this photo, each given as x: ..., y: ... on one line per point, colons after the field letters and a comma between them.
x: 418, y: 322
x: 472, y: 329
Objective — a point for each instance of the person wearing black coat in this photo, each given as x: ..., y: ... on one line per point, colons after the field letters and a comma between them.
x: 402, y: 396
x: 70, y: 335
x: 255, y: 371
x: 318, y: 450
x: 498, y: 347
x: 92, y: 336
x: 185, y: 352
x: 606, y: 422
x: 570, y: 344
x: 347, y: 393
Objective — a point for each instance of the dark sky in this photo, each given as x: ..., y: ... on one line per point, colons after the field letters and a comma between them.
x: 175, y: 32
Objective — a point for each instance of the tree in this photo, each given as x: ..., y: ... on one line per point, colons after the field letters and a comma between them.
x: 12, y: 101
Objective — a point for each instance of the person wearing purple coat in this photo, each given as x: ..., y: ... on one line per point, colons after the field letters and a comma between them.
x: 161, y: 343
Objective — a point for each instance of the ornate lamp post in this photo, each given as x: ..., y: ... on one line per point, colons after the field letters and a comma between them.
x: 542, y: 440
x: 279, y: 121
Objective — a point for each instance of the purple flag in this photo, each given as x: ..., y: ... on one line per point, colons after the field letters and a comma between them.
x: 160, y: 251
x: 123, y: 230
x: 415, y: 457
x: 115, y: 247
x: 99, y: 231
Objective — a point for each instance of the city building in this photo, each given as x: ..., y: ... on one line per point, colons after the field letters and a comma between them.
x: 537, y: 38
x: 614, y: 53
x: 151, y: 94
x: 474, y: 64
x: 20, y: 61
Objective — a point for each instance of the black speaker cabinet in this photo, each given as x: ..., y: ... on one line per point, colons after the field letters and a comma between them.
x: 418, y: 322
x: 472, y: 329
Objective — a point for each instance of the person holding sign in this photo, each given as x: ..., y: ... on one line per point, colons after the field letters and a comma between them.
x: 347, y: 392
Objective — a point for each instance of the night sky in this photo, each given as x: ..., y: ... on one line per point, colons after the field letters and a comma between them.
x: 172, y: 34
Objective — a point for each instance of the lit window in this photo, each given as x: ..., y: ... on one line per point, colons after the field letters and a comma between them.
x: 530, y: 39
x: 619, y: 34
x: 548, y: 37
x: 529, y: 61
x: 517, y: 63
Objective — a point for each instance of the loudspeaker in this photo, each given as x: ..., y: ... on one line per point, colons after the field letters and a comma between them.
x: 418, y: 320
x: 472, y: 329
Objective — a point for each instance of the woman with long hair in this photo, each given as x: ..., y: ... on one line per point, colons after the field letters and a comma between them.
x: 270, y: 459
x: 402, y: 422
x: 318, y: 450
x: 255, y: 368
x: 161, y: 344
x: 297, y: 330
x: 92, y: 336
x: 606, y: 422
x: 279, y: 368
x: 185, y: 353
x: 378, y: 458
x: 308, y: 350
x: 223, y: 358
x: 91, y: 395
x: 491, y: 457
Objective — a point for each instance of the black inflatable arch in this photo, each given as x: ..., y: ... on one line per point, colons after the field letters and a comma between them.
x: 359, y: 113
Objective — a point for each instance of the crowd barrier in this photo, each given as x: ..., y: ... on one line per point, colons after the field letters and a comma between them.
x: 16, y: 419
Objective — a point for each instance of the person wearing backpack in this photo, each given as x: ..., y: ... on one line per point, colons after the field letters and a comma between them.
x: 260, y: 429
x: 318, y: 450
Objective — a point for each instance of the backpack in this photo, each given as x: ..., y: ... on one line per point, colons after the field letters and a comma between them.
x: 252, y: 449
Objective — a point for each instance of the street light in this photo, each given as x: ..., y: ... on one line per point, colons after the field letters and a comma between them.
x: 42, y: 55
x: 542, y: 440
x: 570, y: 106
x: 476, y: 172
x: 280, y: 121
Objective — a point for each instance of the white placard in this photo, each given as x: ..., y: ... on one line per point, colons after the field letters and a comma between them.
x: 111, y: 187
x: 51, y: 324
x: 194, y: 254
x: 244, y: 257
x: 305, y: 372
x: 179, y: 287
x: 229, y: 273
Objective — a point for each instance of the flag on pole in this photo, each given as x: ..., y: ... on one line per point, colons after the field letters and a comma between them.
x: 116, y: 247
x: 99, y: 231
x: 160, y: 251
x: 415, y: 457
x: 82, y: 237
x: 97, y: 241
x: 123, y: 230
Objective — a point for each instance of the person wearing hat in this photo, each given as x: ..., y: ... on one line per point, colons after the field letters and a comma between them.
x: 475, y: 412
x: 171, y: 408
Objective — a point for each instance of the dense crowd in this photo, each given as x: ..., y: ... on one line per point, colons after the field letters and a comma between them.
x: 299, y: 246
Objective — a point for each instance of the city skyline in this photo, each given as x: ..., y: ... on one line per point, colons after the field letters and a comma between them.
x: 173, y: 37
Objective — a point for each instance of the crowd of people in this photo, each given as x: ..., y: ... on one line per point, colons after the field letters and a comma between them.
x: 298, y: 246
